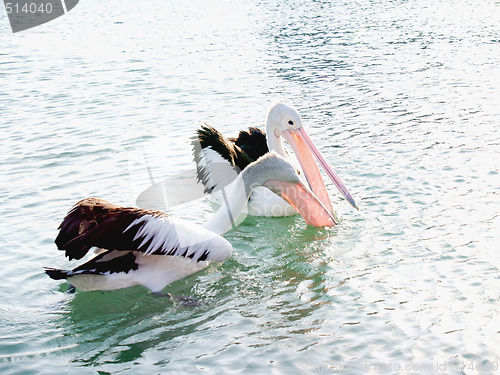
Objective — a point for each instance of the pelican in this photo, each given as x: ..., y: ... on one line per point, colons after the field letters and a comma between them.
x: 150, y: 248
x: 219, y: 159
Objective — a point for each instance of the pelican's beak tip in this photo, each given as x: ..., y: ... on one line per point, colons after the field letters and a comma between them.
x: 351, y: 201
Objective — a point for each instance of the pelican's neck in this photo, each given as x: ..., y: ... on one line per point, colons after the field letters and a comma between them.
x: 274, y: 142
x: 234, y: 200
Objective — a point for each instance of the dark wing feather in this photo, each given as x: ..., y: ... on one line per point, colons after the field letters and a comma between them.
x: 236, y: 151
x: 109, y: 261
x: 95, y: 222
x: 208, y: 136
x: 253, y: 142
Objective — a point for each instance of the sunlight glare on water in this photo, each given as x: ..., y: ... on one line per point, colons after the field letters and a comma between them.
x: 400, y: 96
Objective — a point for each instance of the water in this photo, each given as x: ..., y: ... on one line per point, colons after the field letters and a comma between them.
x: 401, y: 97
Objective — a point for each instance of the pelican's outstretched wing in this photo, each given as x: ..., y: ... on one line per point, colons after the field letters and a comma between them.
x: 219, y: 159
x: 96, y: 222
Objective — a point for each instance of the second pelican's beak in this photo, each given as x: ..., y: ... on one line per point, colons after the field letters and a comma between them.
x: 304, y: 201
x: 306, y: 151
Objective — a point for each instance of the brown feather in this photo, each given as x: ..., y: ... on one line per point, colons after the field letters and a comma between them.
x: 96, y: 222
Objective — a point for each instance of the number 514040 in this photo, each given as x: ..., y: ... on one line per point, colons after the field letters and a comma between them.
x: 28, y: 8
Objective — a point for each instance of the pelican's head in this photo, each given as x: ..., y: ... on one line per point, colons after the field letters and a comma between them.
x: 280, y: 176
x: 285, y: 121
x: 282, y: 118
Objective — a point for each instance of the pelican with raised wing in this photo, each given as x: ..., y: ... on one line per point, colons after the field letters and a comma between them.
x: 220, y: 159
x: 153, y: 249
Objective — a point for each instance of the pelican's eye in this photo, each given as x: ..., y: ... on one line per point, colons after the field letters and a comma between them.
x: 291, y: 123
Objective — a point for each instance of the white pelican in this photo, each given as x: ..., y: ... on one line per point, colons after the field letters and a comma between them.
x: 219, y: 159
x: 153, y: 249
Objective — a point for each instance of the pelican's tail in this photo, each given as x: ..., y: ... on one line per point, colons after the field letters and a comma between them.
x: 57, y: 274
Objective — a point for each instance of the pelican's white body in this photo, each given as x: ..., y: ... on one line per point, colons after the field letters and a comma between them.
x: 154, y: 272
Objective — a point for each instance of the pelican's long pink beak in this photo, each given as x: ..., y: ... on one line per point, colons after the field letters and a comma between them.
x: 306, y: 151
x: 304, y: 201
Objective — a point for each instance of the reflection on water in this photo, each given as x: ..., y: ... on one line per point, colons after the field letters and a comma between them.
x: 400, y: 96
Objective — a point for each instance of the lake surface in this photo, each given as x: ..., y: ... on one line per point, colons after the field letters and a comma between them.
x: 402, y: 97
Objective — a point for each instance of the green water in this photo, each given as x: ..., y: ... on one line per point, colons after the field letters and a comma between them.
x: 400, y: 96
